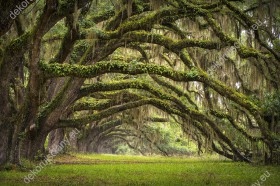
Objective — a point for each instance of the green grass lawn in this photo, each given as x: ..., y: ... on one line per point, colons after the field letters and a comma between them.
x: 137, y: 170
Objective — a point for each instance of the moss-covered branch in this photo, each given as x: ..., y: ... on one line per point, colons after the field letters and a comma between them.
x: 61, y: 70
x: 90, y: 71
x: 103, y: 114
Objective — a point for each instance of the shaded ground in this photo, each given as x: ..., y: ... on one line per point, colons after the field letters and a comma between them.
x: 137, y: 170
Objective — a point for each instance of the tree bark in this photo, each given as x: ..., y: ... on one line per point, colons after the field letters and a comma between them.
x: 55, y: 137
x: 4, y: 145
x: 33, y: 145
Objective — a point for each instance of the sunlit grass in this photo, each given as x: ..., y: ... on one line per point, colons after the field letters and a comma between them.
x: 85, y: 169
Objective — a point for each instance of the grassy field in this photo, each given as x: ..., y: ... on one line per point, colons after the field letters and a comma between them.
x: 137, y: 170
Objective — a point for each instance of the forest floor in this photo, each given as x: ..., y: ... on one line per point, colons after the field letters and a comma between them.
x: 138, y: 170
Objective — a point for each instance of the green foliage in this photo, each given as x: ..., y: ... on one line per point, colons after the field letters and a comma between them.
x: 110, y: 30
x: 271, y: 104
x: 79, y: 50
x: 124, y: 149
x: 276, y: 44
x: 171, y: 139
x: 139, y: 170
